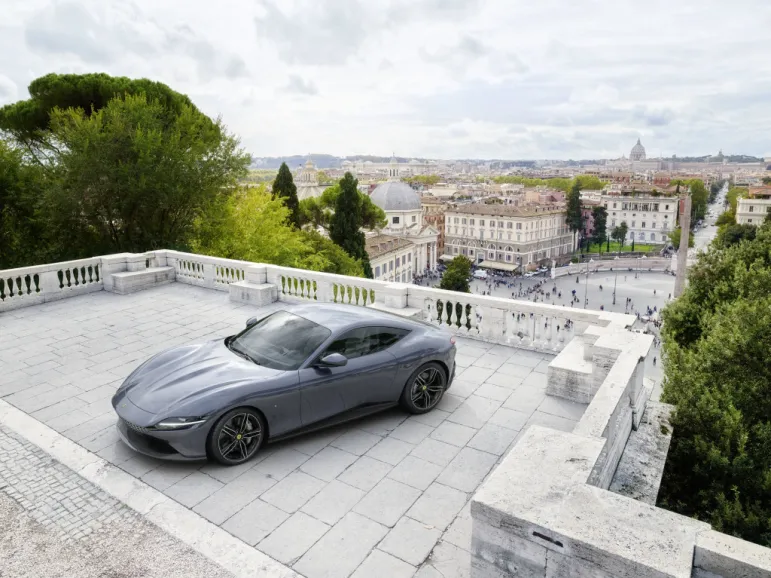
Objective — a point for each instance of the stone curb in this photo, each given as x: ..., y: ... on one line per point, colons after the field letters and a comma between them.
x: 185, y: 525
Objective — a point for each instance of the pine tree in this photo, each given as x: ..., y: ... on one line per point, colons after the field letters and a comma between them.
x: 284, y: 188
x: 575, y: 219
x: 345, y: 225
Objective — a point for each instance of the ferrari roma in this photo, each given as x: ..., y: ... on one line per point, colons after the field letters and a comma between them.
x: 296, y: 370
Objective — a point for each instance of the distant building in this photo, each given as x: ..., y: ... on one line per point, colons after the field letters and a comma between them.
x: 505, y: 237
x: 648, y: 218
x: 752, y: 210
x: 433, y: 216
x: 391, y: 258
x: 307, y: 182
x: 404, y: 214
x: 638, y: 152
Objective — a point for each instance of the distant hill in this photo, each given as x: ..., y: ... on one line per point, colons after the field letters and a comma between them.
x: 320, y: 160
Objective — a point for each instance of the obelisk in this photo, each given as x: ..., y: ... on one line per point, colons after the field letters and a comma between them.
x: 682, y: 252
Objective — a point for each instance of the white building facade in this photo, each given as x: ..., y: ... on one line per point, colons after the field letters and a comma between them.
x: 648, y: 218
x: 391, y: 258
x: 752, y: 211
x: 506, y: 237
x: 404, y: 214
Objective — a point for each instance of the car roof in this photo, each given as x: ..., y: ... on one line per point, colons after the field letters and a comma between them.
x: 337, y: 316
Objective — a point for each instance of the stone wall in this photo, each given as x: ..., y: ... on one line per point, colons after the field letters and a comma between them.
x: 545, y: 512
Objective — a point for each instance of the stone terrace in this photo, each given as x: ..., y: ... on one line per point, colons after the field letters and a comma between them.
x: 384, y: 496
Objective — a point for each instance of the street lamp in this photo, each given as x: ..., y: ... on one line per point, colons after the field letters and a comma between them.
x: 586, y: 286
x: 615, y: 281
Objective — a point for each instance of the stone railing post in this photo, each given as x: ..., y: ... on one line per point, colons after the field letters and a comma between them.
x: 208, y: 275
x: 136, y: 262
x: 395, y: 295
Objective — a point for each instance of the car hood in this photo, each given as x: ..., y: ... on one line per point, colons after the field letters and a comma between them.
x: 182, y: 374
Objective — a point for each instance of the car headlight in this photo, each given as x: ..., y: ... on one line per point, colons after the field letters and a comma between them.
x: 173, y: 423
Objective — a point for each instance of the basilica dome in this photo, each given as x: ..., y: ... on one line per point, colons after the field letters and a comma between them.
x: 638, y: 152
x: 396, y: 196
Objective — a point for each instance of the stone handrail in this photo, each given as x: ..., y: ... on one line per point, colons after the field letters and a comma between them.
x: 546, y: 511
x: 523, y: 324
x: 27, y: 286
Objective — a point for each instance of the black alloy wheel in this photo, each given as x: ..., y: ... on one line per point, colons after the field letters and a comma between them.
x: 237, y: 436
x: 424, y: 389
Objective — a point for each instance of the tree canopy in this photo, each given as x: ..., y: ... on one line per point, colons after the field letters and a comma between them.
x: 318, y: 211
x: 718, y: 375
x: 573, y: 213
x: 586, y: 182
x: 619, y: 233
x: 252, y: 226
x: 285, y: 189
x: 456, y: 276
x: 674, y: 238
x: 29, y: 121
x: 346, y: 222
x: 131, y: 180
x: 600, y: 217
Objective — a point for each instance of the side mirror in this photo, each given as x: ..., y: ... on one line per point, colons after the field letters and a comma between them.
x: 333, y: 360
x: 251, y: 321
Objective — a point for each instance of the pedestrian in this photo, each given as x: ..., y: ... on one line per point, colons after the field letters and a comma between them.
x: 654, y: 360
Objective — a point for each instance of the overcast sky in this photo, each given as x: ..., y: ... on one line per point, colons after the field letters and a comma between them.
x: 508, y: 79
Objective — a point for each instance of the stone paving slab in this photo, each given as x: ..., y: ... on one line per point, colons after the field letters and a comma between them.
x: 314, y: 495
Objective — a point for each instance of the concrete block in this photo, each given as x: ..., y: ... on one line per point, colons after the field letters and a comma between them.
x: 254, y: 294
x: 569, y: 375
x: 133, y: 281
x: 721, y: 555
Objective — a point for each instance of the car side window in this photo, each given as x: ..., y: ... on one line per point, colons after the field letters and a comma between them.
x: 365, y: 340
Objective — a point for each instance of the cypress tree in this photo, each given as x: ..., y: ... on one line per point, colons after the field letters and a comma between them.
x: 284, y: 188
x: 345, y: 225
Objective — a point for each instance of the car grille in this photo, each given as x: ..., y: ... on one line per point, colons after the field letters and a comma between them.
x: 136, y: 428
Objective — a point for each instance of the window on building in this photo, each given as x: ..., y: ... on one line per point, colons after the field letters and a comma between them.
x: 471, y: 221
x: 508, y: 258
x: 390, y: 266
x: 643, y: 224
x: 481, y: 222
x: 500, y: 224
x: 377, y: 271
x: 519, y: 226
x: 752, y: 208
x: 456, y: 220
x: 395, y: 220
x: 519, y: 236
x: 509, y: 225
x: 463, y: 221
x: 614, y: 205
x: 642, y: 236
x: 633, y: 223
x: 655, y: 206
x: 749, y: 220
x: 653, y: 236
x: 492, y: 223
x: 500, y: 235
x: 509, y: 235
x: 414, y: 218
x: 491, y: 255
x: 471, y: 252
x: 398, y: 262
x: 409, y: 257
x: 666, y: 207
x: 455, y: 250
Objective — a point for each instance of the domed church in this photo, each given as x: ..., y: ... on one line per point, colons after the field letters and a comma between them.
x: 638, y: 152
x: 404, y: 213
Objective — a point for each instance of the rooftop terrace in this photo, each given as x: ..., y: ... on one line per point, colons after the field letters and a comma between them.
x: 470, y: 487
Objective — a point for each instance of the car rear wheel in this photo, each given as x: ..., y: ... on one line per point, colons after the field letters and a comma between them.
x: 424, y: 389
x: 237, y: 436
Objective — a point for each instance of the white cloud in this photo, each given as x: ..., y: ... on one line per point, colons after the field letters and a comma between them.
x: 449, y: 78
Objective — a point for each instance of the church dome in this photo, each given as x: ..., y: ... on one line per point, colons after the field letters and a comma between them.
x: 638, y: 152
x: 395, y: 196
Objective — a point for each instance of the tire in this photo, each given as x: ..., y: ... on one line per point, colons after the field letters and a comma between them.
x: 237, y: 436
x: 424, y: 389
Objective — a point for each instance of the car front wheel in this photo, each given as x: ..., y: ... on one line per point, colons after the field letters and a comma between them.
x: 424, y: 389
x: 236, y: 436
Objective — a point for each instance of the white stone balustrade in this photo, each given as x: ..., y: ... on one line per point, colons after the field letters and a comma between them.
x: 27, y: 286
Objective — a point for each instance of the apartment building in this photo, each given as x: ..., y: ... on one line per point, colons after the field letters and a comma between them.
x: 505, y: 236
x: 391, y: 258
x: 649, y: 218
x: 752, y: 210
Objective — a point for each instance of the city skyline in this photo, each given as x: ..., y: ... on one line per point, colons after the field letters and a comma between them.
x: 461, y: 79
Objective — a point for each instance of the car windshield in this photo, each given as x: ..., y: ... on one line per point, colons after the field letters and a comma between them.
x: 280, y: 341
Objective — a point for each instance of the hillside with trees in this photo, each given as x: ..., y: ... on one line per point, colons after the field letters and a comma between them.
x: 717, y: 373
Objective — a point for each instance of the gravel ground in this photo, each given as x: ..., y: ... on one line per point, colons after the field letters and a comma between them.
x: 124, y: 550
x: 53, y: 523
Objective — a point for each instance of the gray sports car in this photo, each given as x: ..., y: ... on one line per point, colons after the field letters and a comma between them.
x: 298, y: 369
